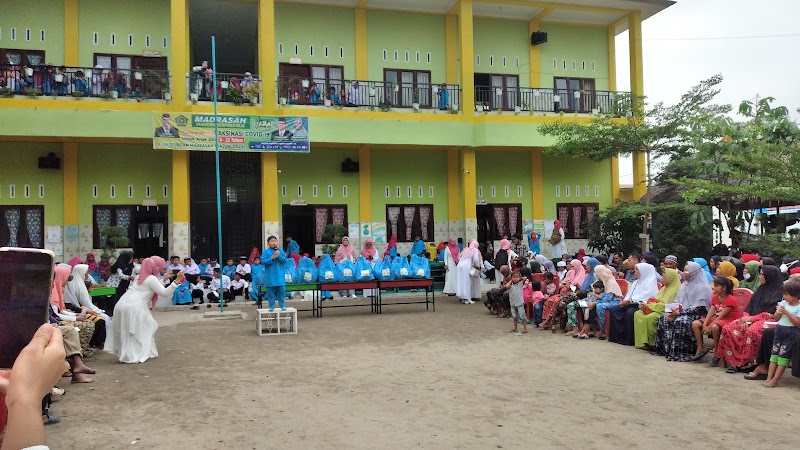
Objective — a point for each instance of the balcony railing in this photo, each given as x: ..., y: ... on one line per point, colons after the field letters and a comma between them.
x: 374, y: 94
x: 234, y: 88
x: 548, y: 100
x: 84, y: 82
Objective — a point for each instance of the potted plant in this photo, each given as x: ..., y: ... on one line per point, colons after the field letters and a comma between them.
x: 77, y: 95
x: 114, y: 237
x: 395, y: 86
x: 137, y: 75
x: 167, y: 93
x: 372, y: 91
x: 194, y: 97
x: 252, y: 92
x: 58, y: 78
x: 517, y: 109
x: 223, y: 84
x: 34, y: 92
x: 234, y: 95
x: 6, y: 92
x: 284, y: 101
x: 415, y: 99
x: 526, y: 106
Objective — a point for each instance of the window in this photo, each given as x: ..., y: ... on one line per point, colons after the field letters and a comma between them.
x: 411, y: 85
x: 22, y: 226
x: 327, y: 77
x: 408, y: 221
x: 506, y: 220
x: 127, y: 62
x: 328, y: 215
x: 104, y: 216
x: 497, y: 90
x: 16, y: 57
x: 577, y: 94
x: 574, y: 216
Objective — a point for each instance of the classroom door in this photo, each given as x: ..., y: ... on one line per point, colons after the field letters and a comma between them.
x: 298, y: 222
x: 151, y: 228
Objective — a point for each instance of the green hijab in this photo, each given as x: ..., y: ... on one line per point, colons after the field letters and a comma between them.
x: 753, y: 268
x: 668, y: 293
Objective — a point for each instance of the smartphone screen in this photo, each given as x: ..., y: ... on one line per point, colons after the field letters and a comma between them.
x: 26, y: 279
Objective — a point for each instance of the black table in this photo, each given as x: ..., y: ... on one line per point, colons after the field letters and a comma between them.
x: 410, y: 283
x: 374, y: 299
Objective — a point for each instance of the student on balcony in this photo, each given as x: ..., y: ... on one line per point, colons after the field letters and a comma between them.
x: 79, y: 83
x: 444, y: 97
x: 354, y: 95
x: 334, y: 97
x: 314, y: 97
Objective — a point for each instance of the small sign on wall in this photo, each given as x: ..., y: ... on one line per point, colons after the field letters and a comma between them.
x: 151, y: 53
x: 298, y: 203
x: 480, y: 202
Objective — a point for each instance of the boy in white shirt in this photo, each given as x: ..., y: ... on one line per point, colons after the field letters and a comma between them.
x: 175, y: 265
x: 239, y: 286
x: 243, y: 269
x: 220, y: 281
x: 213, y: 264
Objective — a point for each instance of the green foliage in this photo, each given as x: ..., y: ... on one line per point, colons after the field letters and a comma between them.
x: 234, y: 95
x: 616, y: 229
x: 6, y: 92
x: 34, y: 92
x: 777, y: 246
x: 116, y: 237
x: 334, y: 233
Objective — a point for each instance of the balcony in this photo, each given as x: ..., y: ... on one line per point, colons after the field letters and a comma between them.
x: 236, y: 88
x: 382, y: 95
x: 79, y: 82
x: 518, y: 99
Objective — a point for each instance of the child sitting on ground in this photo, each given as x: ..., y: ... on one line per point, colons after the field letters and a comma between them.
x: 516, y: 301
x: 786, y: 332
x: 229, y: 269
x: 724, y: 309
x: 239, y: 286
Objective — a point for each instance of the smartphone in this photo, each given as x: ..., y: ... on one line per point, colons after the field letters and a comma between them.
x: 26, y: 280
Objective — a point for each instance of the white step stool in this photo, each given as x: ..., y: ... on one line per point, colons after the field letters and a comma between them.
x: 276, y: 322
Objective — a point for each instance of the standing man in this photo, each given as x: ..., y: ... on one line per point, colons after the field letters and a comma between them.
x: 273, y: 259
x: 292, y: 246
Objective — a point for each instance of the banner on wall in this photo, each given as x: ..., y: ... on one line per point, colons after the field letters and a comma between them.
x: 379, y: 232
x: 188, y: 131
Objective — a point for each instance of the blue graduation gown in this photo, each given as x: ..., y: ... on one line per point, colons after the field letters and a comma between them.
x: 273, y: 268
x: 418, y: 247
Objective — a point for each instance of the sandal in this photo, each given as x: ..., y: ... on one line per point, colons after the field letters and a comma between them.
x: 602, y: 338
x: 52, y: 419
x: 583, y: 336
x: 752, y: 376
x: 699, y: 355
x: 733, y: 369
x: 714, y: 362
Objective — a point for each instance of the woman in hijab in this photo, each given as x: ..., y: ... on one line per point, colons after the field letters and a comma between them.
x: 370, y: 253
x: 345, y: 252
x: 558, y: 248
x: 94, y: 270
x: 704, y: 265
x: 610, y: 284
x: 651, y: 259
x: 451, y: 257
x: 574, y: 277
x: 74, y: 261
x: 503, y: 257
x: 104, y: 268
x: 571, y: 298
x: 468, y: 274
x: 568, y: 289
x: 123, y: 268
x: 79, y: 370
x: 391, y: 248
x: 750, y: 276
x: 77, y: 295
x: 713, y: 264
x: 132, y: 334
x: 547, y: 265
x: 581, y: 254
x: 674, y: 336
x: 739, y: 340
x: 645, y: 320
x: 644, y: 288
x: 728, y: 270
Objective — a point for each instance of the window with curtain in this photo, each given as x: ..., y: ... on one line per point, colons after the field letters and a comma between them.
x: 22, y: 226
x: 327, y: 77
x: 17, y: 57
x: 574, y: 217
x: 566, y: 88
x: 408, y: 221
x: 506, y: 220
x: 112, y: 216
x: 408, y: 82
x: 505, y: 92
x: 325, y: 215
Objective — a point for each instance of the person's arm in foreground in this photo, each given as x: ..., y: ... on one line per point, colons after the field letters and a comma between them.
x: 38, y: 367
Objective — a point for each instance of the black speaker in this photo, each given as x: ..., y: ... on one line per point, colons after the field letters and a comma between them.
x: 349, y: 166
x: 538, y: 37
x: 51, y: 161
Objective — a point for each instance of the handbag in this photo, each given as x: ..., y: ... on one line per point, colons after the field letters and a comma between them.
x: 555, y: 238
x: 473, y: 272
x: 647, y: 310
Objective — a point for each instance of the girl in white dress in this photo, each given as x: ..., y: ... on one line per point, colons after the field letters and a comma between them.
x: 558, y: 248
x: 451, y: 255
x: 468, y: 286
x: 76, y: 292
x: 132, y: 335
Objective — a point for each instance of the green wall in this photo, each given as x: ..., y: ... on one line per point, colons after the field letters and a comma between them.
x: 23, y: 14
x: 502, y: 38
x: 579, y: 44
x: 413, y: 168
x: 406, y: 32
x: 321, y: 167
x: 121, y: 165
x: 307, y: 25
x: 137, y: 17
x: 570, y: 172
x: 19, y: 166
x: 505, y: 168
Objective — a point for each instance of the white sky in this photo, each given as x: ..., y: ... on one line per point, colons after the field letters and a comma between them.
x: 677, y: 55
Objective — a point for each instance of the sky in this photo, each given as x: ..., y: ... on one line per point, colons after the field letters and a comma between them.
x: 695, y: 39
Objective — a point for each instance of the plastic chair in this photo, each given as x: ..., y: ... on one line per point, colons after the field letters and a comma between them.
x: 538, y: 277
x: 623, y: 285
x: 742, y: 296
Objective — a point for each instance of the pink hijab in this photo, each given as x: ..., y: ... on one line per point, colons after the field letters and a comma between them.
x: 467, y: 253
x: 557, y: 225
x: 505, y: 244
x: 60, y: 277
x: 74, y: 261
x: 345, y: 251
x: 368, y: 250
x: 155, y: 266
x: 579, y: 273
x: 93, y: 263
x: 453, y: 246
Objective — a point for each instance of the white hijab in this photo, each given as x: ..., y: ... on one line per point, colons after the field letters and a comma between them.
x: 645, y: 287
x: 75, y: 292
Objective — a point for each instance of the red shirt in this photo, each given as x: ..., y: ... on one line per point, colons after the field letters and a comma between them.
x: 734, y: 314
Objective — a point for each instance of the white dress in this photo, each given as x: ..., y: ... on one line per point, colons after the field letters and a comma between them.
x: 450, y: 276
x: 559, y: 249
x: 468, y: 287
x: 132, y: 334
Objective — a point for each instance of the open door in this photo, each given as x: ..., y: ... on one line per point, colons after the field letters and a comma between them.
x: 151, y: 226
x: 298, y: 222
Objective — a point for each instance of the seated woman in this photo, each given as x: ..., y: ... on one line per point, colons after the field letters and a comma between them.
x: 610, y: 286
x: 646, y: 319
x: 704, y: 265
x: 643, y: 289
x: 751, y: 276
x: 674, y: 336
x: 550, y: 309
x: 571, y: 299
x: 77, y: 295
x: 728, y: 270
x: 739, y: 340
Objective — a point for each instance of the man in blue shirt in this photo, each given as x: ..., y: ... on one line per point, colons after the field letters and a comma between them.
x: 273, y: 260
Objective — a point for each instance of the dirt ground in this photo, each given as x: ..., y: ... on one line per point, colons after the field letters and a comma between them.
x: 455, y: 378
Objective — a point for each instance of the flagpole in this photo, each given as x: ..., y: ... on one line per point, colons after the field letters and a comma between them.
x: 220, y: 291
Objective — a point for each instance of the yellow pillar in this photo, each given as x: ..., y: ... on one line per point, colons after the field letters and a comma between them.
x: 266, y: 56
x: 179, y: 60
x: 537, y: 184
x: 180, y: 186
x: 614, y: 179
x: 364, y: 185
x: 467, y: 55
x: 451, y: 48
x: 71, y: 36
x: 453, y: 188
x: 612, y: 59
x: 468, y: 180
x: 361, y: 44
x: 269, y: 188
x: 637, y: 90
x: 71, y: 184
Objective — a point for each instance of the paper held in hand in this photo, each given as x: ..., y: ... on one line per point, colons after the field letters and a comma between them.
x: 668, y: 308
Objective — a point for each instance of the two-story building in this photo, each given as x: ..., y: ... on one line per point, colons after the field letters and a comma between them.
x: 438, y: 101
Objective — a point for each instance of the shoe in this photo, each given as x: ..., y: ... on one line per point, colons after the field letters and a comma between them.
x: 52, y: 419
x: 195, y: 307
x: 470, y: 302
x: 57, y: 391
x: 353, y: 296
x: 713, y: 362
x: 751, y: 376
x: 202, y: 301
x: 699, y: 355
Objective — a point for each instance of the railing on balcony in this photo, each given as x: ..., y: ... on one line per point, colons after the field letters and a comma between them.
x: 234, y: 88
x: 549, y: 100
x: 375, y: 94
x: 84, y: 82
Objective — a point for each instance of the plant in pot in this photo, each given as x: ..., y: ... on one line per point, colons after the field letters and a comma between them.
x: 284, y: 84
x: 252, y: 92
x: 77, y: 95
x: 6, y: 92
x: 395, y: 86
x: 167, y: 93
x: 115, y: 238
x: 234, y: 95
x: 29, y: 71
x: 332, y: 233
x: 108, y: 95
x: 34, y: 92
x: 415, y: 99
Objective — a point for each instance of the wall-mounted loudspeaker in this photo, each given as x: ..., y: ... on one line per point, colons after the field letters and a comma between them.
x: 538, y: 37
x: 348, y: 165
x: 51, y: 161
